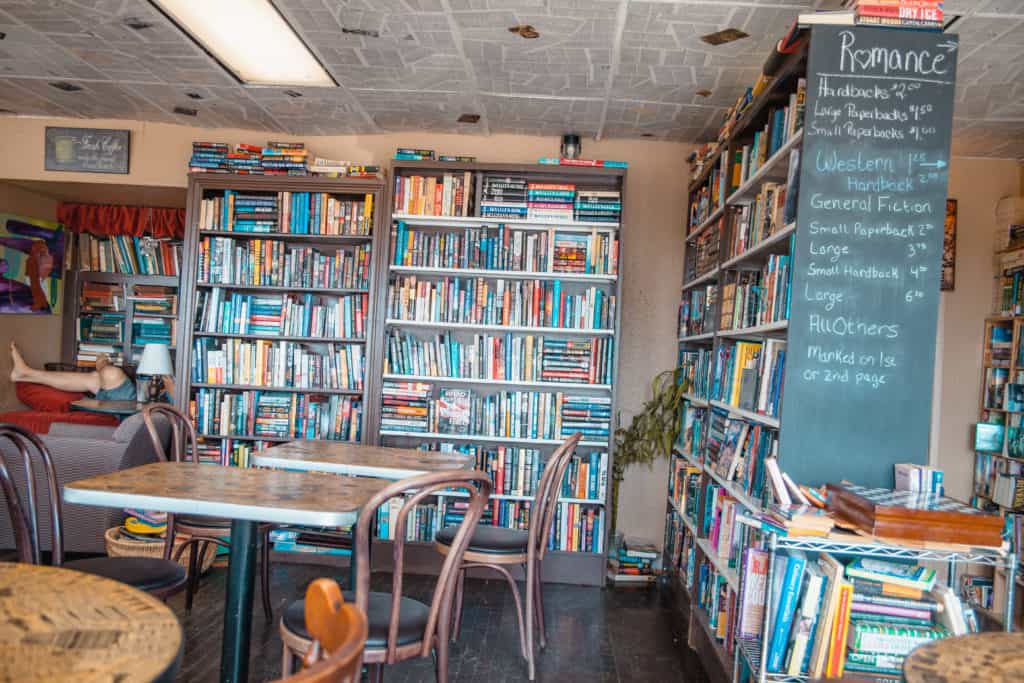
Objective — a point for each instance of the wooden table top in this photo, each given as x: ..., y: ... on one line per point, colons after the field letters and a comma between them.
x: 62, y: 625
x: 994, y: 657
x: 235, y: 493
x: 93, y: 405
x: 360, y: 460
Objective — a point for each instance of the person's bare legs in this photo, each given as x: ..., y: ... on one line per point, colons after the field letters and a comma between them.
x: 106, y: 376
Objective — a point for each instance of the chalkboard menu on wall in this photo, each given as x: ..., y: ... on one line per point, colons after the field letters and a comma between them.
x: 867, y: 253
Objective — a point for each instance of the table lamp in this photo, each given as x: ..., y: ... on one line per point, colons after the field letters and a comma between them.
x: 155, y: 363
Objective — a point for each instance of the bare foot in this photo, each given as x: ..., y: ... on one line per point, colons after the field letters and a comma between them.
x: 102, y: 361
x: 21, y: 368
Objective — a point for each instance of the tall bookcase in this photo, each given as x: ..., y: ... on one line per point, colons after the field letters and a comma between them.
x: 288, y: 311
x: 476, y: 363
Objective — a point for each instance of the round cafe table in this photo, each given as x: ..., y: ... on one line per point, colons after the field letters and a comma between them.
x: 994, y: 657
x: 62, y: 625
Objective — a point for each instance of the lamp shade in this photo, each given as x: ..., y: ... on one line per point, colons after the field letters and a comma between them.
x: 156, y: 360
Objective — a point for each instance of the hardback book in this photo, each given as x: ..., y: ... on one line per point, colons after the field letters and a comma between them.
x: 864, y: 587
x: 871, y: 636
x: 909, y: 575
x: 833, y: 572
x: 755, y: 578
x: 788, y: 594
x: 988, y: 437
x: 453, y: 411
x: 951, y: 616
x: 840, y: 632
x: 913, y: 516
x: 802, y: 634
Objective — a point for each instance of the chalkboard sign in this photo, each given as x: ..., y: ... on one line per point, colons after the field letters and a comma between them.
x: 867, y: 253
x: 89, y: 150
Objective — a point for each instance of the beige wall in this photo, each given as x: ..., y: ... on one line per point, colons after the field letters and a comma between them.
x: 38, y: 336
x: 976, y: 184
x: 652, y: 264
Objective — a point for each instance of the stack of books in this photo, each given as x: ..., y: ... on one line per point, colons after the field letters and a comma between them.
x: 156, y: 300
x: 412, y: 154
x: 598, y: 206
x: 253, y: 212
x: 245, y: 159
x: 633, y: 563
x: 450, y: 194
x: 550, y: 202
x: 147, y: 330
x: 209, y: 157
x: 504, y: 197
x: 97, y: 296
x: 331, y: 168
x: 101, y: 328
x: 284, y: 158
x: 593, y: 254
x: 406, y: 406
x: 926, y: 14
x: 589, y: 415
x: 130, y: 255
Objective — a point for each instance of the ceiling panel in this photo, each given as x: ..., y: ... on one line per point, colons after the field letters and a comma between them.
x: 614, y: 68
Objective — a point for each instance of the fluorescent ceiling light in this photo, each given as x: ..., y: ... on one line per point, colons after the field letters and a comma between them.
x: 251, y: 39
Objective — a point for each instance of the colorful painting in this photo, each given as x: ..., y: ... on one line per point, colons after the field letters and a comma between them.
x: 949, y: 248
x: 31, y: 265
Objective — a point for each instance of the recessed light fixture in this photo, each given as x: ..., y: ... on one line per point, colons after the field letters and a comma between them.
x: 727, y: 35
x: 7, y: 111
x: 185, y: 111
x: 524, y: 31
x: 250, y: 39
x: 704, y: 92
x: 194, y: 96
x: 293, y: 93
x: 469, y: 118
x: 2, y: 35
x: 361, y: 32
x: 137, y: 24
x: 65, y: 86
x: 647, y: 135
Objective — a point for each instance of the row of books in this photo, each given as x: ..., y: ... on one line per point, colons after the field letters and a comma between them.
x: 129, y: 255
x: 290, y: 315
x: 706, y: 249
x: 692, y: 432
x: 749, y: 375
x: 757, y: 297
x: 756, y: 221
x: 218, y: 412
x: 504, y: 248
x: 598, y: 206
x: 339, y: 168
x: 149, y: 330
x: 418, y: 154
x: 503, y: 197
x: 155, y: 300
x: 89, y: 352
x: 718, y: 601
x: 549, y: 201
x: 680, y: 549
x: 697, y: 368
x: 782, y: 124
x: 988, y: 469
x: 711, y: 195
x: 484, y: 301
x: 226, y: 260
x: 411, y: 407
x: 740, y: 452
x: 101, y: 297
x: 278, y: 364
x: 293, y: 213
x: 863, y: 617
x: 529, y: 358
x: 696, y: 310
x: 449, y: 194
x: 101, y: 328
x: 273, y: 158
x: 229, y: 452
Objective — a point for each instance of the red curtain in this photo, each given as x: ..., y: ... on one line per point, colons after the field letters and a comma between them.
x: 122, y: 220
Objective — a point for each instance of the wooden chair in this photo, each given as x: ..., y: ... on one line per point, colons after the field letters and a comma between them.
x: 201, y: 531
x: 499, y: 549
x: 401, y: 628
x: 339, y: 632
x: 33, y: 465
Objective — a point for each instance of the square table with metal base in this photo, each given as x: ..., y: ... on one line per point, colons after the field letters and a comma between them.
x: 357, y: 460
x: 245, y: 496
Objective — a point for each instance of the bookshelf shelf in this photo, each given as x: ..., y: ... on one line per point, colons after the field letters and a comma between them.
x: 119, y: 278
x: 270, y: 288
x: 696, y: 400
x: 706, y: 277
x: 992, y: 557
x: 747, y: 414
x: 275, y: 337
x: 778, y: 328
x: 437, y: 436
x: 688, y: 457
x: 774, y: 169
x: 288, y: 236
x: 682, y: 516
x: 708, y: 222
x: 510, y: 496
x: 733, y: 489
x: 721, y: 564
x: 694, y: 338
x: 554, y: 331
x: 721, y: 657
x: 289, y: 390
x: 473, y: 221
x: 499, y: 382
x: 505, y: 274
x: 774, y: 244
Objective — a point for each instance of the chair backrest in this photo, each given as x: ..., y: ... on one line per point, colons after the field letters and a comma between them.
x: 31, y: 459
x: 184, y: 440
x: 477, y: 486
x: 545, y: 500
x: 339, y: 634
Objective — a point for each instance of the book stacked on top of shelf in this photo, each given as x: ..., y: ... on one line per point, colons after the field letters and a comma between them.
x: 147, y: 330
x: 922, y: 14
x: 450, y: 194
x: 412, y: 154
x: 284, y: 158
x: 129, y: 255
x: 300, y: 213
x: 505, y: 197
x: 209, y: 157
x: 550, y: 202
x: 333, y: 168
x: 598, y: 206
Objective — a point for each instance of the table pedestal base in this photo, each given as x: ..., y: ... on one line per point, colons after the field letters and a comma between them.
x: 234, y: 659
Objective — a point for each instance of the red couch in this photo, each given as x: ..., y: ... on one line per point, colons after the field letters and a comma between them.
x: 47, y: 405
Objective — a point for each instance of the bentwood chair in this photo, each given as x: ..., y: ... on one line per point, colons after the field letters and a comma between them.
x: 201, y: 531
x: 339, y: 632
x: 26, y: 466
x: 400, y: 628
x: 499, y: 549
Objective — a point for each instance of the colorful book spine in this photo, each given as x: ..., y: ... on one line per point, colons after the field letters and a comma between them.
x: 275, y: 416
x: 268, y: 262
x: 278, y: 364
x: 289, y: 315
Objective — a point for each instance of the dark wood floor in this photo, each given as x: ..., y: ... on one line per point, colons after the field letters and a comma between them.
x: 594, y: 634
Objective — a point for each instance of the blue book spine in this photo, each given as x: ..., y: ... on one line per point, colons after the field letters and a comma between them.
x: 788, y: 595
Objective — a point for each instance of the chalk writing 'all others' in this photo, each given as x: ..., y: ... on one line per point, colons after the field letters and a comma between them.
x: 845, y: 326
x: 888, y: 60
x: 882, y: 203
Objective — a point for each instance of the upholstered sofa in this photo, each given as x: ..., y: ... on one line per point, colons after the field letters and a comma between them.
x: 45, y: 406
x: 81, y: 451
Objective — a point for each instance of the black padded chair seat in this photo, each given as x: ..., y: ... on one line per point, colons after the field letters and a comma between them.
x: 144, y: 573
x: 412, y: 617
x: 203, y: 522
x: 489, y: 539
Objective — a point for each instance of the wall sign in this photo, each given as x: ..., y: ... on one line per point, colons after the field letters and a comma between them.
x: 867, y: 253
x: 88, y: 150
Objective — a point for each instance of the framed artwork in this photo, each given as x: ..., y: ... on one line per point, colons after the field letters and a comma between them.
x: 949, y: 248
x: 31, y: 265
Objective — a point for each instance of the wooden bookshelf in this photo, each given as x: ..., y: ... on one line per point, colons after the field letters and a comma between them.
x: 574, y: 567
x: 209, y: 186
